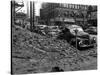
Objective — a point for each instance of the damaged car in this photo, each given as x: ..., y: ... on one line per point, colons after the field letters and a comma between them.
x: 76, y: 36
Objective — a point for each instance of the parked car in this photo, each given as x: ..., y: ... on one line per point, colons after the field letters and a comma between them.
x: 41, y: 26
x: 91, y: 30
x: 73, y: 32
x: 53, y: 30
x: 40, y: 29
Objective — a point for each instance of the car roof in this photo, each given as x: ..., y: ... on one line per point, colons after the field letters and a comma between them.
x: 73, y: 26
x: 41, y: 25
x: 92, y: 27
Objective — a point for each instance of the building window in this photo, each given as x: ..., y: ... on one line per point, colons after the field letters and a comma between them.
x: 85, y: 7
x: 72, y: 5
x: 63, y: 5
x: 82, y: 7
x: 75, y: 6
x: 66, y: 5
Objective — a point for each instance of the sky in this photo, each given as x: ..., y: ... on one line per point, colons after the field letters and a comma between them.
x: 37, y: 6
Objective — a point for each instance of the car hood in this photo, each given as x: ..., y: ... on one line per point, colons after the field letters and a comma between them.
x: 80, y: 33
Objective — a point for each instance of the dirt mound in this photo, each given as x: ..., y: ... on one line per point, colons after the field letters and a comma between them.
x: 35, y: 53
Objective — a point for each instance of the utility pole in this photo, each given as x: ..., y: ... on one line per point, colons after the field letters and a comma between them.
x: 76, y: 36
x: 31, y: 15
x: 12, y: 11
x: 31, y: 23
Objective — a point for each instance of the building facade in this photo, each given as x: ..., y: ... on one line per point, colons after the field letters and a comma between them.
x: 61, y: 13
x: 92, y: 17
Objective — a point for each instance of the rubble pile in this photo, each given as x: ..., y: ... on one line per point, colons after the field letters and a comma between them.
x: 34, y: 53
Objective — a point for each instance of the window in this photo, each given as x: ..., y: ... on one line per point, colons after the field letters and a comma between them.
x: 78, y: 6
x: 69, y: 5
x: 85, y: 7
x: 72, y: 5
x: 63, y: 5
x: 75, y: 6
x: 66, y: 5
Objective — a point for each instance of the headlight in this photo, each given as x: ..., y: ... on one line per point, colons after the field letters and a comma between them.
x: 94, y: 38
x: 80, y: 43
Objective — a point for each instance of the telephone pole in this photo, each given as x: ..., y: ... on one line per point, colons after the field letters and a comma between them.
x: 76, y: 31
x: 31, y: 15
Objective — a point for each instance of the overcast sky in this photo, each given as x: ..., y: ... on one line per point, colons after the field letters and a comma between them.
x: 37, y: 6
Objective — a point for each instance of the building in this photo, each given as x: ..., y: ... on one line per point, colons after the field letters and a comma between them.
x: 92, y: 17
x: 61, y: 13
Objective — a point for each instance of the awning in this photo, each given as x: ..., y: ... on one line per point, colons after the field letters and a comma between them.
x: 63, y: 19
